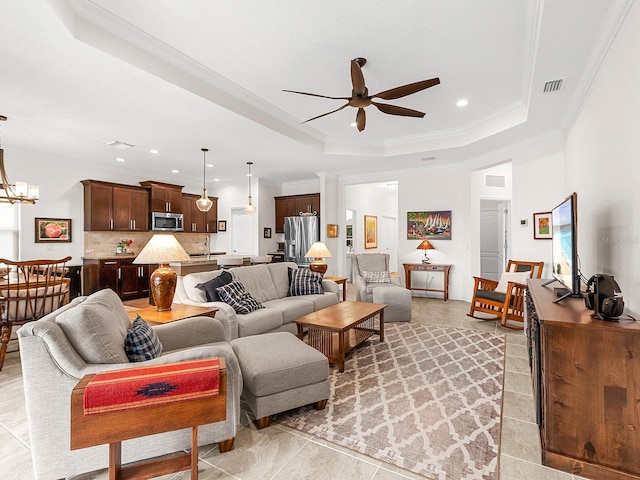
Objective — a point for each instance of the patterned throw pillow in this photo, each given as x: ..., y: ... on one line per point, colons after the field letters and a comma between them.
x: 210, y: 287
x: 376, y: 277
x: 235, y: 295
x: 304, y: 282
x: 142, y: 343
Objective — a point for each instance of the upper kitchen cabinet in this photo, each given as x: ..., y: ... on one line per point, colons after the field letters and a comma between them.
x: 114, y: 207
x: 194, y: 219
x: 294, y: 205
x: 164, y: 196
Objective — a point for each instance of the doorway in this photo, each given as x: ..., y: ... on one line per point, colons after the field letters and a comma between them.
x: 242, y: 236
x: 495, y: 237
x: 388, y: 240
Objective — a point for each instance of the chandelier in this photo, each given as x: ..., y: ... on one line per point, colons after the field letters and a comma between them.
x: 249, y: 208
x: 19, y: 192
x: 204, y: 203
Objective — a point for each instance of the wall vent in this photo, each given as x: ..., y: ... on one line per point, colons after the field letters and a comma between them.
x: 497, y: 181
x: 553, y: 85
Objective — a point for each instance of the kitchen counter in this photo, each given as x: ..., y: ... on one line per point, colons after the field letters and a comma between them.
x: 203, y: 263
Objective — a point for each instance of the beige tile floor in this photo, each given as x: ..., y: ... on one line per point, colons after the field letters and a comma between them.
x: 280, y: 453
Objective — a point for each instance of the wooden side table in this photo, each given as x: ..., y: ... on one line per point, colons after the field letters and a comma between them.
x: 114, y: 427
x: 340, y: 281
x: 178, y: 311
x: 427, y: 267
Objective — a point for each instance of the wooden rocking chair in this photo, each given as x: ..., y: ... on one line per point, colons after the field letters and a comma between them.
x: 505, y: 299
x: 29, y: 290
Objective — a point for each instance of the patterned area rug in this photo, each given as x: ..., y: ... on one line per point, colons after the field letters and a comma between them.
x: 428, y: 399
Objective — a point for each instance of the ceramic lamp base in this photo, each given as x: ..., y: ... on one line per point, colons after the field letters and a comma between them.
x: 318, y: 266
x: 162, y: 284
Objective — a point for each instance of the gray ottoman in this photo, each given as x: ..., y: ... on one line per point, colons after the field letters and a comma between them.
x: 280, y: 372
x: 398, y: 300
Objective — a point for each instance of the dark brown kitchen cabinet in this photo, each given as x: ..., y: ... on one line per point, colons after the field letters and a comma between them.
x: 129, y: 281
x: 164, y: 197
x: 194, y: 219
x: 293, y: 205
x: 115, y: 207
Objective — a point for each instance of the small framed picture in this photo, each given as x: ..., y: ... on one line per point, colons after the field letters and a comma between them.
x: 332, y: 230
x: 267, y: 232
x: 542, y: 226
x: 222, y: 225
x: 53, y: 230
x: 370, y: 231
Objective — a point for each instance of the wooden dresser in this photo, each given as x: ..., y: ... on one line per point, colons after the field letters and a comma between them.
x: 586, y: 385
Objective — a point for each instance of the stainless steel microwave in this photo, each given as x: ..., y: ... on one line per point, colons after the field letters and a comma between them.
x: 167, y: 222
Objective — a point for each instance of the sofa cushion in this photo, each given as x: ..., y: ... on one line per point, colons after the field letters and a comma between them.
x: 259, y: 321
x: 142, y: 343
x: 321, y: 301
x: 97, y: 328
x: 235, y: 295
x: 191, y: 280
x: 280, y: 277
x: 376, y: 277
x: 210, y: 288
x: 257, y: 281
x: 305, y: 282
x: 292, y: 308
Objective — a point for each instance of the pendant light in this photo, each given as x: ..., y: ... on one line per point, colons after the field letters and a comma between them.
x: 249, y: 208
x: 19, y: 192
x: 203, y: 203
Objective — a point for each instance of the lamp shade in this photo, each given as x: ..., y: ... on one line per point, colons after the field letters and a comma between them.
x: 425, y: 245
x: 162, y: 249
x: 318, y: 251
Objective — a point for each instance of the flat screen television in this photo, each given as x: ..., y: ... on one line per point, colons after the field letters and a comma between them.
x: 564, y: 244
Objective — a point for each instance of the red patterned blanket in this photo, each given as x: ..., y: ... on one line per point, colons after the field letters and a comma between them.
x: 147, y: 386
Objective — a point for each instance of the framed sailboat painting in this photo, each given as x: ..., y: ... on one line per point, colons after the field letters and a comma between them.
x: 429, y: 225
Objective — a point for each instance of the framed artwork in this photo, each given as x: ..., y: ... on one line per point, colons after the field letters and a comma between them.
x: 542, y: 226
x: 53, y: 230
x: 349, y: 231
x: 222, y: 225
x: 267, y: 232
x: 370, y: 231
x: 332, y: 230
x: 434, y: 225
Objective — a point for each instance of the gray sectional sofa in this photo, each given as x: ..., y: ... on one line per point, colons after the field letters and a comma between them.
x: 269, y: 284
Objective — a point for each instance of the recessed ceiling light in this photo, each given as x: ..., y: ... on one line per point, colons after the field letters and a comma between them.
x: 354, y: 124
x: 119, y: 159
x: 209, y: 165
x: 462, y: 102
x: 175, y: 171
x: 392, y: 186
x: 216, y: 179
x: 154, y: 151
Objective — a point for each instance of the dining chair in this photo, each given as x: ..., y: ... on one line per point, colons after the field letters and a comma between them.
x: 29, y: 290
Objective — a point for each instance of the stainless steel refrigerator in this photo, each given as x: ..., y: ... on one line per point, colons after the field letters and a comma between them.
x: 299, y: 234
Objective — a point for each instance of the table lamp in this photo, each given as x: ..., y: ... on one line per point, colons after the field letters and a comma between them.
x: 318, y: 251
x: 162, y: 249
x: 426, y: 245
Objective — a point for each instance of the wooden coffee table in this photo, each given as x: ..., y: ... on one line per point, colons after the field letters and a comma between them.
x: 178, y: 311
x: 339, y: 328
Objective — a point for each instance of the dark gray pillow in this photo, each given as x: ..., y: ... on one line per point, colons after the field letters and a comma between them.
x: 209, y: 288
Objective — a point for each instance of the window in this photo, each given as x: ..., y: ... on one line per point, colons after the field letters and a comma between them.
x: 9, y: 231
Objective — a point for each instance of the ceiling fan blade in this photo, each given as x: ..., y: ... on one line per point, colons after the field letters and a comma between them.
x: 405, y: 90
x: 395, y: 110
x: 316, y: 95
x: 357, y: 79
x: 361, y: 119
x: 328, y: 113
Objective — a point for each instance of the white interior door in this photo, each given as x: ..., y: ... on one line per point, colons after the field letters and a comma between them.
x: 242, y: 232
x: 388, y: 240
x: 504, y: 231
x: 490, y: 241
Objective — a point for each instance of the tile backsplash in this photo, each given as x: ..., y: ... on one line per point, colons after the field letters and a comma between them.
x: 102, y: 244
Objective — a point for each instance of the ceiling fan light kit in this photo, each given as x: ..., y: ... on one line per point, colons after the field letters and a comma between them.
x: 361, y: 99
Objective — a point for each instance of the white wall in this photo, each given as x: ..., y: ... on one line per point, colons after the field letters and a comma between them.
x: 603, y: 166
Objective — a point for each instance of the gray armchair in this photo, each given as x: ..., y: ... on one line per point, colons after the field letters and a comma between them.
x: 371, y: 271
x: 53, y: 362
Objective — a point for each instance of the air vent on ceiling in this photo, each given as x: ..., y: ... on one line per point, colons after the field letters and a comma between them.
x: 494, y: 181
x: 553, y: 85
x: 118, y: 144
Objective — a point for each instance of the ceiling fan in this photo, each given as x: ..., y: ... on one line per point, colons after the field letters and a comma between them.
x: 361, y: 99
